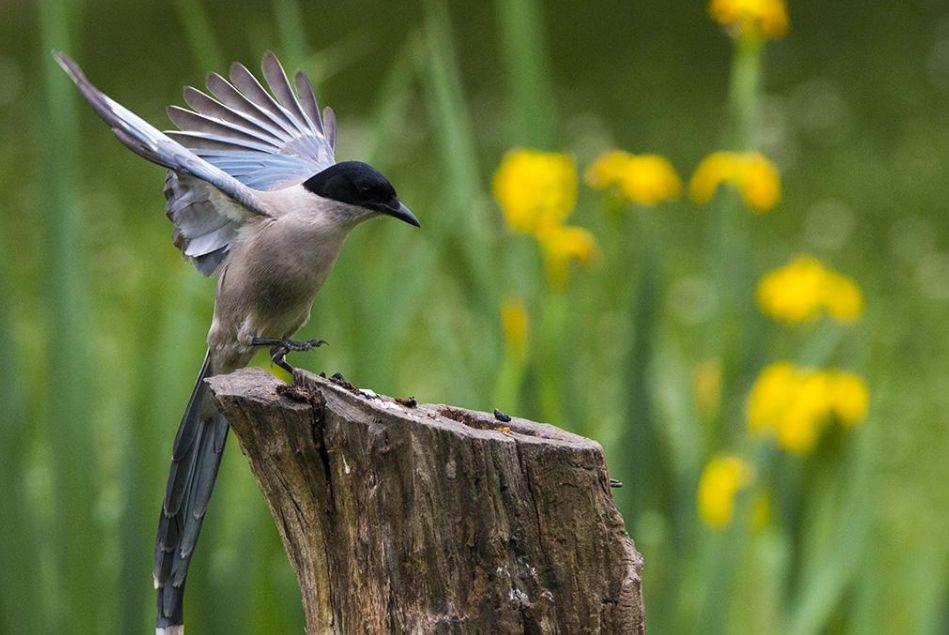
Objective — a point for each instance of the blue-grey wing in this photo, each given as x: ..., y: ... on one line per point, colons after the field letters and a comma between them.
x: 150, y: 143
x: 206, y: 203
x: 204, y: 222
x: 266, y: 140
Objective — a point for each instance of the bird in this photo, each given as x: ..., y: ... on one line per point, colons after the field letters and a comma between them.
x: 258, y: 200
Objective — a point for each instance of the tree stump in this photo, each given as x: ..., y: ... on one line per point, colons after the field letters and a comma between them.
x: 420, y: 518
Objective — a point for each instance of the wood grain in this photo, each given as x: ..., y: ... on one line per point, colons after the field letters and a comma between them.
x: 422, y: 518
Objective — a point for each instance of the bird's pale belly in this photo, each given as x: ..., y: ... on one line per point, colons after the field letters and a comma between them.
x: 280, y: 293
x: 276, y: 310
x: 277, y: 303
x: 268, y: 291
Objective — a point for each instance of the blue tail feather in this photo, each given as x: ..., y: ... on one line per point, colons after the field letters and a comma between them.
x: 196, y: 456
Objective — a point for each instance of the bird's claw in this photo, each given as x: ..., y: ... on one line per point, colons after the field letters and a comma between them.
x: 281, y: 347
x: 278, y: 356
x: 307, y: 345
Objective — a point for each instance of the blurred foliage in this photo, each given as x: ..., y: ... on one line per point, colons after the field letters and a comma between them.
x: 652, y: 345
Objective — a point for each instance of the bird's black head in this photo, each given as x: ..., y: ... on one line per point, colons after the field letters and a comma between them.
x: 359, y: 184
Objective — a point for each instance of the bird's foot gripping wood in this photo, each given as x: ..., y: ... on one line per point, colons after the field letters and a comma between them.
x: 279, y: 348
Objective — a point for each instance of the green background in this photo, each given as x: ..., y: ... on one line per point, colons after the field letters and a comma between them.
x: 102, y: 325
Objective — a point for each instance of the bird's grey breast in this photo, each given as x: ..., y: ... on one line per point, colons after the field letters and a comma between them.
x: 276, y: 267
x: 288, y: 260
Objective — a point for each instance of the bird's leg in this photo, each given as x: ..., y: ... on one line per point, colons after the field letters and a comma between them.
x: 290, y: 345
x: 280, y: 347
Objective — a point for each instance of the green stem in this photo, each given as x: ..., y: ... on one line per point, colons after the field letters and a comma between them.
x: 288, y: 15
x: 69, y: 406
x: 730, y: 256
x: 744, y: 88
x: 507, y: 386
x: 200, y: 35
x: 644, y: 466
x: 730, y: 252
x: 551, y: 356
x: 530, y: 93
x: 19, y: 539
x: 464, y: 234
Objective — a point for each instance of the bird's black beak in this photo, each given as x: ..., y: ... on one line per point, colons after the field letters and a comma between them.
x: 402, y: 213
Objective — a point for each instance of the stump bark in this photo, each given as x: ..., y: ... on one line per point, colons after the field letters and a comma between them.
x: 421, y: 518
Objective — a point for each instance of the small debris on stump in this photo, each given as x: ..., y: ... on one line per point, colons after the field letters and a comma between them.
x: 408, y: 402
x: 339, y: 380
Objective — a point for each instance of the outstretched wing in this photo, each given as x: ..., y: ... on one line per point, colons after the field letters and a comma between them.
x: 205, y: 220
x: 265, y: 140
x: 206, y: 203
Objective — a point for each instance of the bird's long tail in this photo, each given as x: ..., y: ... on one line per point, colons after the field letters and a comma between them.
x: 195, y: 458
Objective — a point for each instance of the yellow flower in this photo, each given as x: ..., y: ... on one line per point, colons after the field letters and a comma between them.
x: 806, y: 414
x: 759, y: 182
x: 754, y: 18
x: 535, y: 189
x: 849, y: 398
x: 722, y: 479
x: 789, y: 403
x: 607, y: 170
x: 769, y: 395
x: 795, y: 404
x: 844, y: 298
x: 755, y: 177
x: 645, y: 179
x: 515, y: 324
x: 804, y: 287
x: 711, y: 172
x: 795, y: 292
x: 562, y: 245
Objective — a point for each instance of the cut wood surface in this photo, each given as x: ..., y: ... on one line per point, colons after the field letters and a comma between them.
x: 402, y: 517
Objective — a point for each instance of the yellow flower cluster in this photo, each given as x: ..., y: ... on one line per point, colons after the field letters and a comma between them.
x: 796, y: 404
x: 645, y: 179
x: 755, y: 177
x: 803, y: 288
x: 751, y: 18
x: 535, y: 189
x: 722, y: 479
x: 537, y: 192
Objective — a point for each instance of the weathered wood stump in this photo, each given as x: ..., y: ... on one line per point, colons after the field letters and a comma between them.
x: 401, y: 517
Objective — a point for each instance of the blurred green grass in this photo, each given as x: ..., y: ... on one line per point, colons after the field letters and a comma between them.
x: 104, y: 323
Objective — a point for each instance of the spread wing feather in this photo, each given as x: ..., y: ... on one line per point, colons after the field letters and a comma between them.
x: 329, y: 125
x: 205, y: 223
x: 280, y: 87
x: 146, y: 141
x: 206, y: 204
x: 308, y: 99
x: 205, y: 105
x: 266, y: 140
x: 231, y: 143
